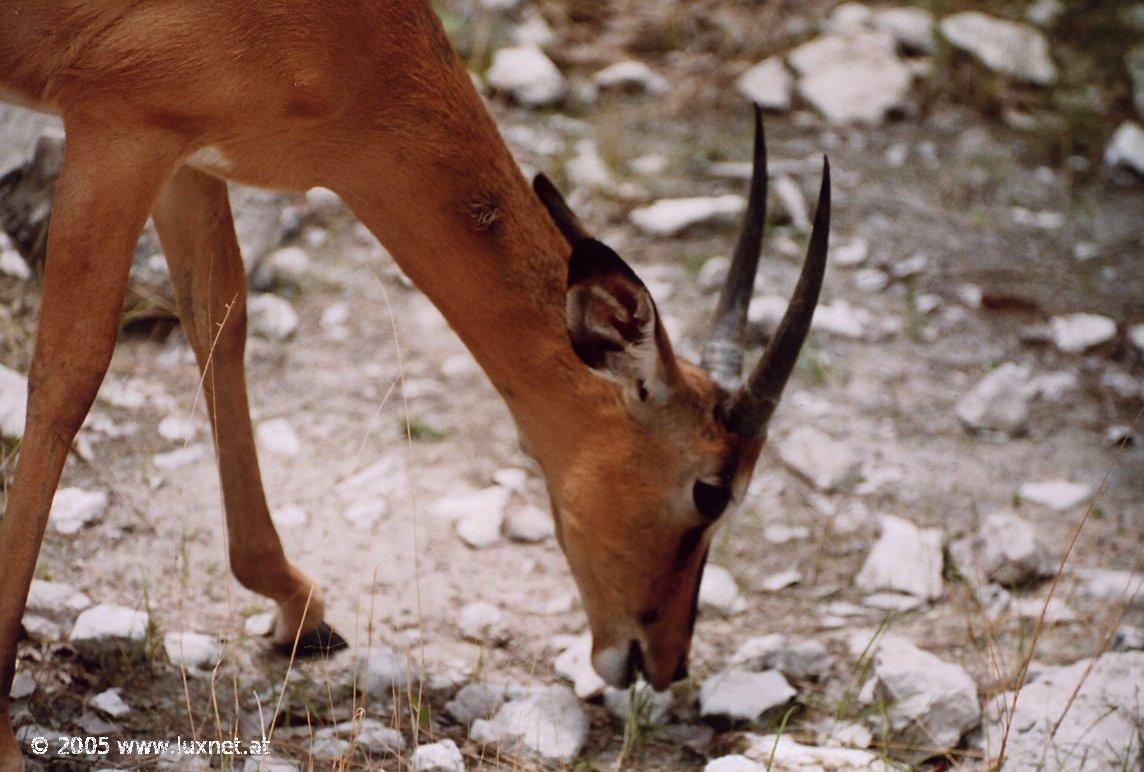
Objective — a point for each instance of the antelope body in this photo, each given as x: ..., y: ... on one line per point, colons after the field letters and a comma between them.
x: 161, y: 102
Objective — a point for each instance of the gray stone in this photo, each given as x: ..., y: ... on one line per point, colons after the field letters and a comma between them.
x: 912, y: 28
x: 735, y: 762
x: 641, y: 703
x: 631, y: 76
x: 108, y: 629
x: 547, y: 723
x: 74, y: 508
x: 850, y: 253
x: 905, y: 558
x: 55, y: 601
x: 713, y: 273
x: 1006, y: 551
x: 277, y: 436
x: 855, y: 78
x: 719, y: 591
x: 192, y: 650
x: 1052, y: 728
x: 999, y: 402
x: 526, y: 74
x: 23, y: 685
x: 575, y: 663
x: 1112, y: 585
x: 784, y: 753
x: 931, y: 703
x: 743, y: 695
x: 13, y: 403
x: 1126, y: 148
x: 1055, y: 494
x: 529, y: 524
x: 780, y: 581
x: 385, y: 671
x: 482, y: 622
x: 828, y: 464
x: 1012, y: 49
x: 587, y: 169
x: 673, y: 216
x: 791, y: 203
x: 768, y: 84
x: 443, y: 756
x: 271, y: 317
x: 372, y: 735
x: 1075, y: 333
x: 110, y: 703
x: 475, y: 701
x: 795, y: 658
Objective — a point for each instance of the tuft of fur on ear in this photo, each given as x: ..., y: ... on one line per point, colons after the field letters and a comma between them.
x: 613, y: 323
x: 566, y: 220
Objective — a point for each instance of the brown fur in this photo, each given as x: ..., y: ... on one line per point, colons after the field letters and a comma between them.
x: 364, y: 97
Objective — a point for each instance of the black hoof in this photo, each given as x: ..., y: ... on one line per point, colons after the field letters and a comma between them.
x: 322, y: 641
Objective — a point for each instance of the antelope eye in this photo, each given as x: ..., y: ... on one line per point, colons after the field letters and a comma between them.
x: 710, y: 499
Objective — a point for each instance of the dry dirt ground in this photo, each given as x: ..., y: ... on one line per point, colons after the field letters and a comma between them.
x: 401, y: 582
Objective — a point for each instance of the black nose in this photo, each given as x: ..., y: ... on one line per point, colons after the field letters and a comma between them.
x: 635, y: 664
x: 680, y: 669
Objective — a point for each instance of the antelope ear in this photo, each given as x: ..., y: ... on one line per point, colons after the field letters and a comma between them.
x: 614, y: 326
x: 558, y: 209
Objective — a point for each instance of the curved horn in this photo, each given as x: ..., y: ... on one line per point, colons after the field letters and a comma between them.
x: 723, y: 351
x: 760, y: 395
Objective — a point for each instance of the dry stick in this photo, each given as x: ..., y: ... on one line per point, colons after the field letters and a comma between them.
x: 1039, y: 626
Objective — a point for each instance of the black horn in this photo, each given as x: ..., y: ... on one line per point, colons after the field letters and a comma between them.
x: 756, y: 402
x: 723, y: 351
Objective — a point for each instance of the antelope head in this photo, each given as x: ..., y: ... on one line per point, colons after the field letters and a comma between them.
x: 636, y: 519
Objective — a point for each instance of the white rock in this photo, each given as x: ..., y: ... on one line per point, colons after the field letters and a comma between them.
x: 905, y: 558
x: 718, y: 591
x: 372, y: 735
x: 527, y: 75
x: 278, y: 436
x: 480, y: 529
x: 1074, y: 333
x: 780, y: 581
x: 1008, y: 552
x: 743, y: 695
x: 55, y: 601
x: 110, y: 703
x: 443, y: 756
x: 736, y: 762
x: 482, y: 622
x: 649, y: 708
x: 1044, y: 13
x: 23, y: 685
x: 1136, y: 336
x: 547, y: 723
x: 1126, y: 148
x: 1055, y: 612
x: 493, y: 499
x: 930, y: 703
x: 533, y: 31
x: 476, y: 701
x: 795, y: 658
x: 789, y: 197
x: 384, y: 672
x: 179, y: 457
x: 73, y: 508
x: 271, y: 317
x: 1112, y: 585
x: 912, y: 28
x: 649, y: 164
x: 782, y: 534
x: 192, y: 650
x: 1095, y: 726
x: 783, y: 753
x: 13, y: 403
x: 632, y: 76
x: 1055, y: 494
x: 12, y: 264
x: 842, y: 319
x: 999, y: 402
x: 854, y: 78
x: 529, y: 524
x: 108, y: 629
x: 178, y: 428
x: 672, y: 216
x: 767, y: 84
x: 289, y: 264
x: 260, y: 625
x: 366, y: 514
x: 850, y: 253
x: 870, y: 280
x: 828, y: 464
x: 575, y: 664
x: 713, y: 273
x: 289, y: 516
x: 1003, y: 46
x: 587, y: 169
x: 892, y: 601
x: 848, y: 19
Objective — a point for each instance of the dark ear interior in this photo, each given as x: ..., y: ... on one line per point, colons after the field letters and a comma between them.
x: 609, y: 308
x: 558, y: 209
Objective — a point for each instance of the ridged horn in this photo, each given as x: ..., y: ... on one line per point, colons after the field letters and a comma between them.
x: 756, y: 401
x: 723, y: 352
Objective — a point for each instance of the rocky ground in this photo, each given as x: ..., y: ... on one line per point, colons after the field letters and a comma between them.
x: 948, y: 515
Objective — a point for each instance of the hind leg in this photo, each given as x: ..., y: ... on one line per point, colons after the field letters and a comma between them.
x: 106, y: 186
x: 193, y: 218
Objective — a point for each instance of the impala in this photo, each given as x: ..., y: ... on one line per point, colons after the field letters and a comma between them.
x: 162, y: 102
